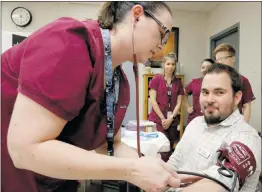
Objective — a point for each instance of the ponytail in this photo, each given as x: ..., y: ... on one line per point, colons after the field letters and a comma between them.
x: 114, y: 12
x: 107, y: 15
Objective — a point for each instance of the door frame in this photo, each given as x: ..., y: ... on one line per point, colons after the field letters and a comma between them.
x: 232, y: 29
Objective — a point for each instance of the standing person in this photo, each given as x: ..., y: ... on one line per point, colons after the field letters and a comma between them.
x: 194, y: 88
x: 166, y: 96
x: 54, y: 109
x: 225, y: 54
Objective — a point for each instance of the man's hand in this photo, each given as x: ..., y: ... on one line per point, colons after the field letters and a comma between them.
x: 153, y: 175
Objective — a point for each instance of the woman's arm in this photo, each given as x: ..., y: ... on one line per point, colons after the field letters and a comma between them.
x: 153, y: 95
x: 32, y: 146
x: 178, y: 105
x: 186, y: 103
x: 120, y: 148
x: 246, y: 110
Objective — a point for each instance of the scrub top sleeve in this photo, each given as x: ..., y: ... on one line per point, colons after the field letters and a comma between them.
x: 189, y: 88
x: 248, y: 95
x: 154, y: 84
x: 55, y: 72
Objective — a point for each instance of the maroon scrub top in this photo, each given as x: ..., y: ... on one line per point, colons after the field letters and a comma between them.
x: 194, y: 88
x: 61, y: 67
x: 248, y: 94
x: 158, y: 83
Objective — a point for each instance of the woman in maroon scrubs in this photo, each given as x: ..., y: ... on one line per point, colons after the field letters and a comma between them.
x: 54, y: 112
x: 193, y: 88
x: 166, y: 93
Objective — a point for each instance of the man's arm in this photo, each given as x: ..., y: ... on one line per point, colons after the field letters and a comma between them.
x: 247, y: 111
x: 205, y: 185
x: 120, y: 148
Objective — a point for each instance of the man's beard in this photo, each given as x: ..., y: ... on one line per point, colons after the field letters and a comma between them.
x: 212, y: 120
x: 216, y: 119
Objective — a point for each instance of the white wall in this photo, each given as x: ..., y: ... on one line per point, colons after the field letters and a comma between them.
x: 249, y: 16
x: 191, y: 47
x: 45, y: 12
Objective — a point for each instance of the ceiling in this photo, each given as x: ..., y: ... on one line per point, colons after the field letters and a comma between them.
x: 203, y: 7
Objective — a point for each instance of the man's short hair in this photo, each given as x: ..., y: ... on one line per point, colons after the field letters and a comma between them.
x: 225, y: 47
x: 236, y: 83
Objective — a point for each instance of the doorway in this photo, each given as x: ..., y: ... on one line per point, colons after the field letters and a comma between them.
x: 229, y: 35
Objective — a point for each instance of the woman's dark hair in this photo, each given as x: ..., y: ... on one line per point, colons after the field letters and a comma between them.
x: 114, y: 12
x: 209, y: 60
x: 236, y: 83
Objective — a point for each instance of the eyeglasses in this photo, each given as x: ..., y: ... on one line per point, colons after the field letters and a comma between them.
x: 165, y: 35
x: 222, y: 58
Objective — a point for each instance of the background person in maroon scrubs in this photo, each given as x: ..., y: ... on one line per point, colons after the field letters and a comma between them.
x: 53, y: 102
x: 166, y: 96
x: 225, y: 54
x: 193, y: 88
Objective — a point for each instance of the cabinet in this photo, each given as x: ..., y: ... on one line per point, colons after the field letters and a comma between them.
x: 147, y: 106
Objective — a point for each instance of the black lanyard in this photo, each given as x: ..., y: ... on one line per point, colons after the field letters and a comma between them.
x: 169, y: 93
x: 112, y: 90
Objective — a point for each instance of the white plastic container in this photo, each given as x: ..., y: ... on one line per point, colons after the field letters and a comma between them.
x: 145, y: 125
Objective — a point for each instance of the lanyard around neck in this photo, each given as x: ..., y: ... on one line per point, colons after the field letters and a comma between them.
x: 112, y: 89
x: 169, y: 92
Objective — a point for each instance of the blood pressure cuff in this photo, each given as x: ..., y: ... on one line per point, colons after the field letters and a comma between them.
x: 239, y: 158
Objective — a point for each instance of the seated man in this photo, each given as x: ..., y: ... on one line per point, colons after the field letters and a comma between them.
x: 222, y: 128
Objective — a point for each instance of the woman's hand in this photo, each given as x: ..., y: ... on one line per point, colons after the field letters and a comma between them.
x: 153, y: 175
x: 166, y: 124
x: 188, y: 179
x: 190, y: 110
x: 163, y: 121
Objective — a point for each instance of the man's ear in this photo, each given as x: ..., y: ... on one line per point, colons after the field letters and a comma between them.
x: 238, y: 97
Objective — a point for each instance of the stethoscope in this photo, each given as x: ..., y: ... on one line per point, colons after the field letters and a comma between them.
x: 222, y: 170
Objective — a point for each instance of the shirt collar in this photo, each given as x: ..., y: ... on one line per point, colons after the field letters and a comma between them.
x: 229, y: 121
x: 232, y: 119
